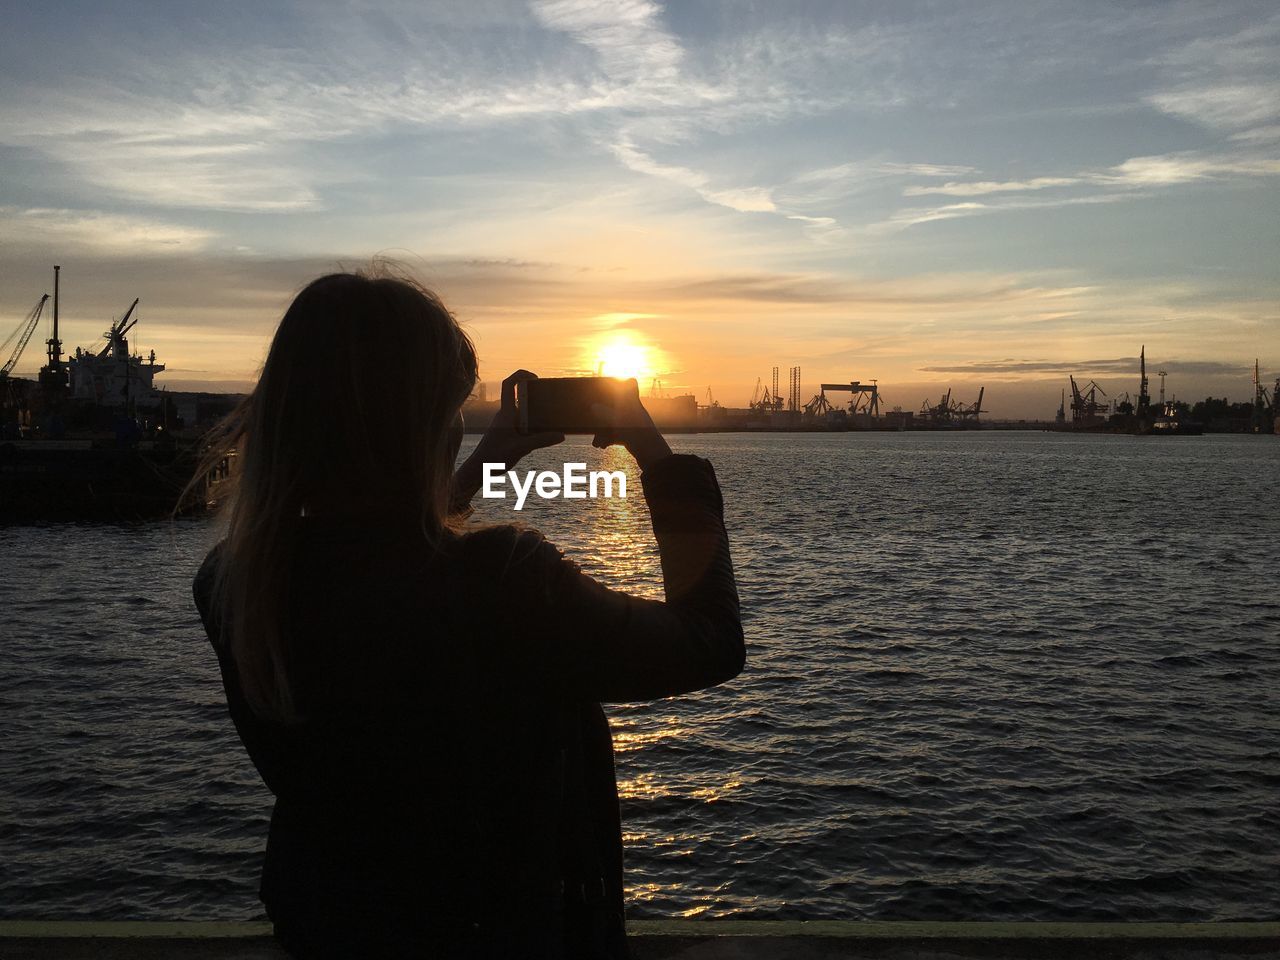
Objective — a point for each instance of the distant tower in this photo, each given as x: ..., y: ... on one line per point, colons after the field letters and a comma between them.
x: 1144, y: 391
x: 1162, y: 374
x: 1259, y: 399
x: 53, y: 375
x: 55, y: 344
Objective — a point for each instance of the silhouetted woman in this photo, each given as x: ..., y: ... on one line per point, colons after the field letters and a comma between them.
x: 423, y: 700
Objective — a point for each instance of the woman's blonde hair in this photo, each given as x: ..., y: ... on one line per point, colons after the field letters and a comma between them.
x: 355, y: 410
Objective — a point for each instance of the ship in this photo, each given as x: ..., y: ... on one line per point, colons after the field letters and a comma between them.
x: 92, y: 438
x: 1173, y: 422
x: 112, y: 377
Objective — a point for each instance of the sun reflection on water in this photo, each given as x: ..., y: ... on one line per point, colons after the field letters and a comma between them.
x: 620, y: 531
x: 716, y: 791
x: 644, y: 786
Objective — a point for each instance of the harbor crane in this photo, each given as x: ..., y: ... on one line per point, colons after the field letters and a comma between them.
x: 819, y: 406
x: 711, y: 411
x: 1262, y: 401
x: 941, y: 413
x: 764, y: 400
x: 864, y: 399
x: 117, y: 345
x: 1144, y: 389
x: 1086, y: 408
x: 949, y: 412
x: 23, y: 332
x: 971, y: 411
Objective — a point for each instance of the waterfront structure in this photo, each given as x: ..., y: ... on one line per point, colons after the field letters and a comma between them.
x: 1086, y: 409
x: 112, y: 376
x: 1144, y: 389
x: 949, y: 413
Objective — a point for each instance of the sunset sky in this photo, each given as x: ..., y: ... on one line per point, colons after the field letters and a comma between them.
x: 926, y: 194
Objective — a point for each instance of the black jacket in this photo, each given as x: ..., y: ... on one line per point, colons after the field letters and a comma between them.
x: 450, y: 790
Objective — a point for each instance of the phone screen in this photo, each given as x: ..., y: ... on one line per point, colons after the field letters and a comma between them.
x: 564, y: 404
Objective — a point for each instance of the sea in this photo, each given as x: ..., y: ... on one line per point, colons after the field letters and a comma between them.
x: 990, y: 676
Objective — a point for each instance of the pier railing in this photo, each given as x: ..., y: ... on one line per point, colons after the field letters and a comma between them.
x: 704, y: 940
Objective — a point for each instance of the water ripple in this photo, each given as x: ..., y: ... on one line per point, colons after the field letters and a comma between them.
x: 991, y: 676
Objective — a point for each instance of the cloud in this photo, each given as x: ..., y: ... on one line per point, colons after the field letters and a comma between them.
x: 769, y: 288
x: 831, y: 185
x: 980, y: 187
x: 1150, y: 171
x: 809, y: 196
x: 260, y: 127
x: 638, y: 55
x: 97, y: 232
x: 1225, y: 81
x: 1176, y: 168
x: 1205, y: 368
x: 627, y: 36
x: 1111, y: 366
x: 925, y: 169
x: 954, y: 294
x: 1231, y: 106
x: 1119, y: 365
x: 172, y: 172
x: 744, y: 199
x: 506, y: 263
x: 1266, y: 135
x: 208, y: 311
x: 823, y: 230
x: 912, y: 216
x: 1133, y: 179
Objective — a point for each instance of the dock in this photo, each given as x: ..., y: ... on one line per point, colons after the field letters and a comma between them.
x: 704, y: 940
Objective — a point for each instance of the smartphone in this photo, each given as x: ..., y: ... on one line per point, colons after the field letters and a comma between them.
x: 563, y: 404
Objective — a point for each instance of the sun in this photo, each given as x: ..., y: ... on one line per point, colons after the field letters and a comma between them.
x: 623, y: 360
x: 620, y: 353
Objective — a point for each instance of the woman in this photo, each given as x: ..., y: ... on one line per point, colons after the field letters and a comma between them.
x: 423, y: 701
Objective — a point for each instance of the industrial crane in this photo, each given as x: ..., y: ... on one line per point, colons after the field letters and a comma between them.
x: 762, y: 399
x: 940, y: 413
x: 865, y: 399
x: 948, y: 412
x: 1086, y: 408
x: 23, y: 333
x: 1263, y: 401
x: 116, y: 343
x: 819, y: 406
x: 970, y: 412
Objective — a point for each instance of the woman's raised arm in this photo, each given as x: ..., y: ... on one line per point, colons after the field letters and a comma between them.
x: 606, y: 645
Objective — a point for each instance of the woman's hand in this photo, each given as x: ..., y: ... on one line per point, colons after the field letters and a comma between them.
x: 501, y: 443
x: 630, y: 425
